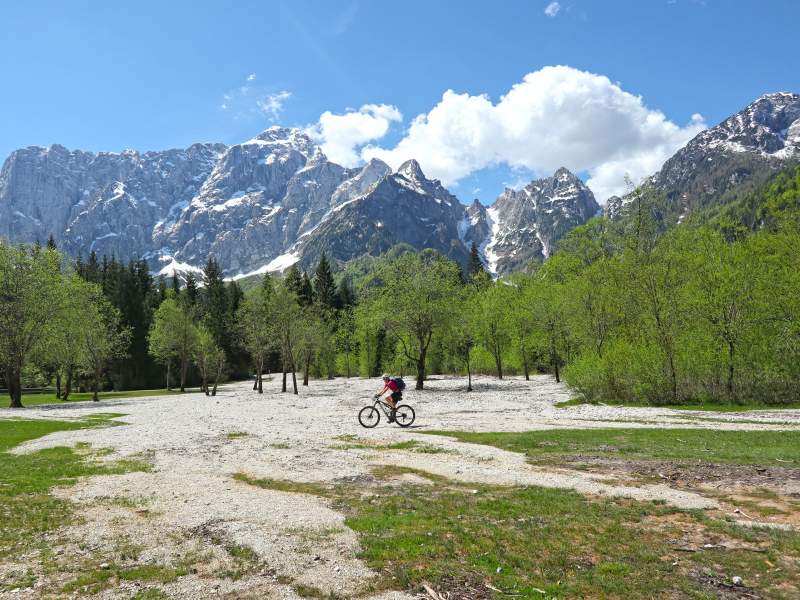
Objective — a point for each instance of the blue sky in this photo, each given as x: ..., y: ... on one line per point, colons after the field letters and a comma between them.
x: 154, y: 75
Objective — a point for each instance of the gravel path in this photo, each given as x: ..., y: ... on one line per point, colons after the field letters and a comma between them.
x: 300, y: 438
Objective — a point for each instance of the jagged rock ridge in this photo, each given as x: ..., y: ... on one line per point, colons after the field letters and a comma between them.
x: 267, y: 203
x: 525, y: 225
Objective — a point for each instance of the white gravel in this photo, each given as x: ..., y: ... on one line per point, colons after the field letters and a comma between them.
x: 292, y: 437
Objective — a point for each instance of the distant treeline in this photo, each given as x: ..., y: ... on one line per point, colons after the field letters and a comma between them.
x: 636, y: 309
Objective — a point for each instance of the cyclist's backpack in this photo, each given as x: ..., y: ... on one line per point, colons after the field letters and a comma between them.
x: 401, y: 385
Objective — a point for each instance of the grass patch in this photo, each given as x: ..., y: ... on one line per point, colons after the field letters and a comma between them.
x: 235, y: 435
x: 281, y: 485
x: 309, y: 591
x: 774, y: 448
x: 351, y: 442
x: 389, y: 472
x: 40, y: 399
x: 280, y: 446
x: 27, y: 509
x: 530, y: 542
x: 571, y: 402
x: 94, y: 581
x: 245, y: 560
x: 150, y: 594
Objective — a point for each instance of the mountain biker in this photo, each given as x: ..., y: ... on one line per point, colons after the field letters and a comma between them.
x: 390, y: 385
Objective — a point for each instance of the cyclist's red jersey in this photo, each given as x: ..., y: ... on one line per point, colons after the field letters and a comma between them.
x: 392, y: 385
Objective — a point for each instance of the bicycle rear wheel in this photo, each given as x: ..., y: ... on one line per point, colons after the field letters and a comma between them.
x: 404, y: 415
x: 369, y: 417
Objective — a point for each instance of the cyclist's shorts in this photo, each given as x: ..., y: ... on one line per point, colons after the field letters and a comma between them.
x: 397, y: 396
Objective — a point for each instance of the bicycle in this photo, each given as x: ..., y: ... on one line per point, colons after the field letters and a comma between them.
x: 370, y: 416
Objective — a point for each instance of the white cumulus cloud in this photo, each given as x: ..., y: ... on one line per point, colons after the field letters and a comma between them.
x: 557, y: 116
x: 341, y: 136
x: 551, y: 10
x: 272, y: 104
x: 251, y: 77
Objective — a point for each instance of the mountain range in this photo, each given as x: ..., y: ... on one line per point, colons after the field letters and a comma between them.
x: 276, y: 199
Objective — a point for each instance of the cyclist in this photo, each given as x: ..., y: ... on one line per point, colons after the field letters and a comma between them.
x: 391, y: 387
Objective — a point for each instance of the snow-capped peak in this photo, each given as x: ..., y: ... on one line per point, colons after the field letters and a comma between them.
x: 286, y: 138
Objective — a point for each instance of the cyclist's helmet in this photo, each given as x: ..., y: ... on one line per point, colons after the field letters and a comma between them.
x: 385, y: 376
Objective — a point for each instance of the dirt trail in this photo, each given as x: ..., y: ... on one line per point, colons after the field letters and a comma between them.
x: 196, y: 444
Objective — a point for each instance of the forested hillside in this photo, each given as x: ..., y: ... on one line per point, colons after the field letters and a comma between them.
x: 634, y: 309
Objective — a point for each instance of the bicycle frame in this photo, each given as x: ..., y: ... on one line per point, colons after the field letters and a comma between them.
x: 385, y: 408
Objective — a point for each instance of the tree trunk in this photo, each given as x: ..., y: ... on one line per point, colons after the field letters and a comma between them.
x: 97, y: 375
x: 184, y: 366
x: 469, y: 376
x: 498, y: 361
x: 674, y: 378
x: 260, y: 383
x: 58, y: 384
x: 216, y: 382
x: 169, y: 368
x: 730, y: 369
x: 283, y: 387
x: 259, y: 370
x: 421, y: 369
x: 525, y: 365
x: 307, y: 367
x: 205, y: 382
x: 294, y: 377
x: 555, y: 366
x: 67, y: 385
x: 331, y: 360
x: 14, y: 382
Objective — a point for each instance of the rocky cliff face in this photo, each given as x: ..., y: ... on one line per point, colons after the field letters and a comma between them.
x: 525, y: 225
x: 106, y: 202
x: 267, y: 203
x: 403, y: 207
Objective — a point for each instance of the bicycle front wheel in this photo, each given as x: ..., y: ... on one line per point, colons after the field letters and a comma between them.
x: 404, y: 415
x: 369, y: 417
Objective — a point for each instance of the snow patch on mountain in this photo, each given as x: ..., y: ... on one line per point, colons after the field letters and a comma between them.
x: 487, y: 248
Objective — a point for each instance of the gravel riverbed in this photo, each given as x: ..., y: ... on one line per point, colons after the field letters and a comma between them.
x: 190, y: 494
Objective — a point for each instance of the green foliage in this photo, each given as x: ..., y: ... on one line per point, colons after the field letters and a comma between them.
x: 31, y: 293
x: 173, y: 335
x: 417, y: 299
x: 209, y: 359
x: 475, y: 267
x: 324, y: 285
x: 491, y: 324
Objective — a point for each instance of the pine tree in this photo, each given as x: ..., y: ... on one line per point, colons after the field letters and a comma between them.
x: 215, y: 303
x: 162, y: 289
x: 306, y: 297
x: 475, y: 263
x: 344, y: 294
x: 176, y: 284
x: 235, y: 297
x: 51, y: 243
x: 191, y: 289
x: 93, y: 272
x: 294, y: 281
x: 80, y: 268
x: 324, y: 285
